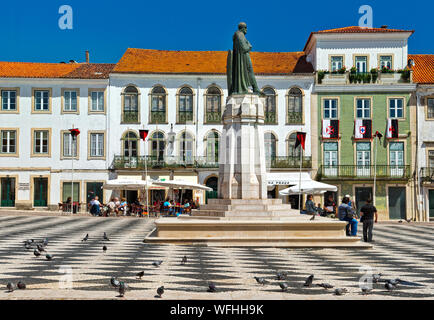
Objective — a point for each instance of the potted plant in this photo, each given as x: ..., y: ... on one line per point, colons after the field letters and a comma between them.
x: 405, y: 75
x: 352, y: 76
x: 366, y: 77
x: 321, y: 75
x: 342, y: 70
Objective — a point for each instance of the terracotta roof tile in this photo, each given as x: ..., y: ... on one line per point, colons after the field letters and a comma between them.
x: 55, y: 70
x: 207, y: 62
x: 423, y: 70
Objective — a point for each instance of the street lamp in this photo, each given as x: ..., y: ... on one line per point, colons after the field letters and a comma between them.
x: 74, y: 133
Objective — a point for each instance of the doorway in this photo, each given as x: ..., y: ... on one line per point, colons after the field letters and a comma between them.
x: 40, y: 192
x: 7, y: 187
x: 94, y: 189
x: 294, y: 201
x: 131, y: 196
x: 362, y: 195
x: 431, y: 204
x: 397, y: 203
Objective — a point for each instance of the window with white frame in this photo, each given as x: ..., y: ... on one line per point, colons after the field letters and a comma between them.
x: 69, y: 145
x: 363, y: 108
x: 396, y: 108
x: 97, y: 101
x: 40, y: 141
x: 70, y: 100
x: 430, y: 109
x: 337, y: 62
x: 42, y: 100
x: 330, y: 109
x: 9, y: 100
x: 97, y: 144
x: 361, y: 64
x: 330, y: 154
x: 396, y: 154
x: 431, y: 159
x: 386, y: 62
x: 8, y: 141
x: 363, y: 154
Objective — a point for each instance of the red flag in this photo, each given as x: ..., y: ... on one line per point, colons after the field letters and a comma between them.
x: 301, y: 139
x: 143, y: 134
x: 74, y: 133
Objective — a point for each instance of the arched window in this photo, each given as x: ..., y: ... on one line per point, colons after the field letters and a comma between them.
x: 158, y: 105
x: 295, y: 106
x: 212, y: 147
x: 292, y: 152
x: 270, y: 105
x: 130, y: 112
x: 185, y: 105
x: 212, y: 182
x: 213, y: 100
x: 270, y: 146
x: 130, y: 144
x: 158, y: 146
x: 186, y: 147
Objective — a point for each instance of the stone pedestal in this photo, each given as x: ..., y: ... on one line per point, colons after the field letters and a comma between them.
x: 243, y: 216
x: 242, y: 172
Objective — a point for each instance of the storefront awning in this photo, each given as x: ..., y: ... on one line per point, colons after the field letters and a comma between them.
x: 286, y: 178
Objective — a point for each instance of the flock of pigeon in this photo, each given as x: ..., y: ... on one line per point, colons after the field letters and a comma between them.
x: 39, y: 247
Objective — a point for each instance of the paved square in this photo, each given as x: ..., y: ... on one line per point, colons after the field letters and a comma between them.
x: 402, y: 251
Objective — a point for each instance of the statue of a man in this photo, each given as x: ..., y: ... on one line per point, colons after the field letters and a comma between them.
x: 239, y: 65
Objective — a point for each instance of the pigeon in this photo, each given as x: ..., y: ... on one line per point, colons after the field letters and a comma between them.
x: 160, y: 291
x: 28, y: 246
x: 211, y: 287
x: 140, y: 274
x: 400, y: 221
x: 408, y: 220
x: 122, y: 288
x: 157, y: 263
x: 393, y: 282
x: 40, y: 248
x: 21, y: 285
x: 325, y: 285
x: 389, y: 286
x: 366, y: 291
x: 105, y: 237
x: 282, y: 275
x: 313, y: 218
x: 45, y: 242
x: 340, y: 291
x: 283, y: 286
x: 10, y: 286
x: 261, y: 280
x: 114, y: 282
x: 376, y: 277
x: 36, y: 253
x: 104, y: 248
x: 49, y: 256
x: 184, y: 260
x: 308, y: 281
x: 86, y: 237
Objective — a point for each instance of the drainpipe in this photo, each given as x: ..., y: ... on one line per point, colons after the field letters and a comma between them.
x: 197, y: 115
x: 417, y: 188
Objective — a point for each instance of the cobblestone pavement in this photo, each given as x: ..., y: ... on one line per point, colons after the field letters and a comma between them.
x: 402, y: 251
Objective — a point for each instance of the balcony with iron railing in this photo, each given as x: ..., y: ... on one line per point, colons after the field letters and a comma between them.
x: 364, y: 172
x: 158, y: 117
x: 295, y: 118
x: 270, y: 117
x: 155, y: 162
x: 427, y: 175
x: 130, y: 116
x: 185, y: 117
x: 373, y: 77
x: 213, y: 117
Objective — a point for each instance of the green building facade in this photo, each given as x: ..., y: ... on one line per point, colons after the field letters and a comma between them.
x: 349, y: 163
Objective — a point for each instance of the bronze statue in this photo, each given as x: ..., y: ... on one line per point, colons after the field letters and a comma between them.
x: 239, y: 67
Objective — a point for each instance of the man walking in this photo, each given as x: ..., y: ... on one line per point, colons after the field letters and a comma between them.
x: 368, y: 212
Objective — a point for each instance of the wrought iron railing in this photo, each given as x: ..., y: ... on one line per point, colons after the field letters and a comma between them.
x: 295, y: 118
x: 158, y: 117
x: 270, y: 117
x: 213, y: 117
x: 427, y: 174
x: 130, y: 117
x: 122, y: 162
x: 364, y: 172
x: 185, y: 116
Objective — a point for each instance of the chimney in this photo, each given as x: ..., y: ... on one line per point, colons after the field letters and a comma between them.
x: 87, y: 56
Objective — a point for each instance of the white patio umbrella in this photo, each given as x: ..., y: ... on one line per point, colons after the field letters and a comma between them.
x: 309, y: 187
x: 182, y: 184
x: 127, y: 184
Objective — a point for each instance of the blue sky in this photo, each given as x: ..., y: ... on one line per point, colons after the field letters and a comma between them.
x: 30, y: 31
